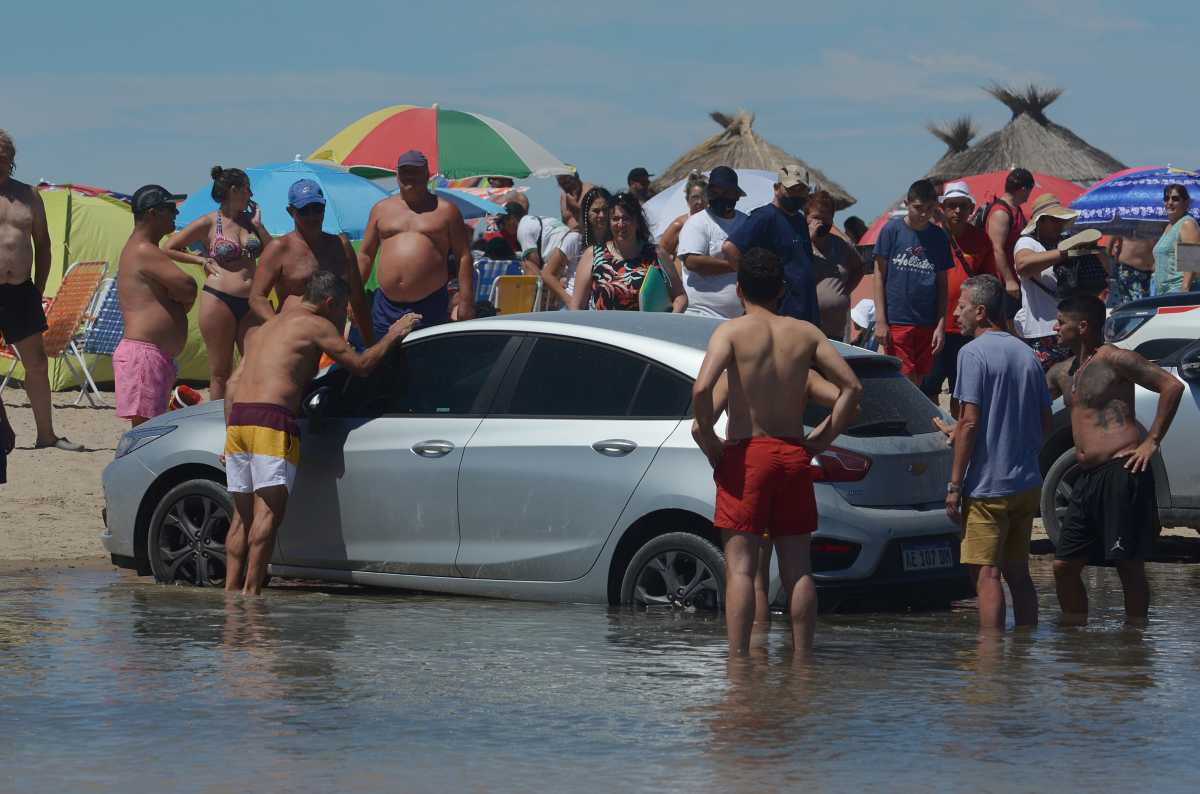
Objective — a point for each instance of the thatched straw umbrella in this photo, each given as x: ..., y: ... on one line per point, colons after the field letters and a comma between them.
x: 1030, y: 140
x: 739, y: 146
x: 957, y: 135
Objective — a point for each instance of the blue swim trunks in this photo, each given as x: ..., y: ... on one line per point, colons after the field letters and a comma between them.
x: 434, y: 310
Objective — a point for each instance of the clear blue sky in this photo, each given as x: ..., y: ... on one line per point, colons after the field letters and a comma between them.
x: 130, y: 92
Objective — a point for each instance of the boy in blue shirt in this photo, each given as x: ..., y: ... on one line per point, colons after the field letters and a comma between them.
x: 911, y: 259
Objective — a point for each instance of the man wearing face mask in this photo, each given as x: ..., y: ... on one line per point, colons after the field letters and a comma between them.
x: 709, y: 277
x: 289, y: 262
x: 781, y: 228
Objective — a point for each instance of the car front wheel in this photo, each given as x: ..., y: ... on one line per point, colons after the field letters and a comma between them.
x: 1056, y: 492
x: 185, y: 543
x: 677, y: 569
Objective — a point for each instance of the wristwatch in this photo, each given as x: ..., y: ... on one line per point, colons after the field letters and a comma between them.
x: 953, y: 487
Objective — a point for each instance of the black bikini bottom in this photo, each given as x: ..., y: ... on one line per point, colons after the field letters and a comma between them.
x: 239, y: 306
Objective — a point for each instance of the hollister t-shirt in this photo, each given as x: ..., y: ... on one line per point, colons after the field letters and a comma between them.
x: 913, y: 259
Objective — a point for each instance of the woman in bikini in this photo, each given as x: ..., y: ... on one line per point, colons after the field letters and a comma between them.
x: 611, y: 274
x: 233, y: 237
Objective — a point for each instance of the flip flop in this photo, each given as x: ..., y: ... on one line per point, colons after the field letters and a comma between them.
x: 62, y: 443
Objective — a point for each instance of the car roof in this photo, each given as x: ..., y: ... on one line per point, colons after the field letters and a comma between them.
x: 681, y: 330
x: 1159, y: 301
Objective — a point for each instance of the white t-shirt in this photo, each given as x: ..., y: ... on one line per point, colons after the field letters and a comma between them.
x: 1039, y: 307
x: 555, y: 237
x: 709, y: 295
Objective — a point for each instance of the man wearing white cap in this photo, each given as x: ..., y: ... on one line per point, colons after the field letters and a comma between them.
x: 972, y: 254
x: 1035, y: 256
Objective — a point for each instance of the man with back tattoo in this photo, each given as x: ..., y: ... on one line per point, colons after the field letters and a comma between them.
x: 1112, y: 513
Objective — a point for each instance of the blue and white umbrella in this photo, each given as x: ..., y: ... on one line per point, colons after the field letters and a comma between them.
x: 470, y: 205
x: 1131, y: 204
x: 348, y: 198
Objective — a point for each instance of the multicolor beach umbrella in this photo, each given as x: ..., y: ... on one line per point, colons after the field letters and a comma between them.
x: 1131, y: 204
x: 458, y: 145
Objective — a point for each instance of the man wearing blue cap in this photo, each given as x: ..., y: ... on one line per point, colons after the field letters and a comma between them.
x: 418, y: 237
x: 288, y: 262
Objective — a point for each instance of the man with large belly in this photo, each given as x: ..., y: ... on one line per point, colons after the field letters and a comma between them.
x: 416, y: 233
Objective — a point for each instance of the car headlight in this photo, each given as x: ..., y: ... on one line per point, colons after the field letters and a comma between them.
x: 1122, y: 325
x: 140, y: 437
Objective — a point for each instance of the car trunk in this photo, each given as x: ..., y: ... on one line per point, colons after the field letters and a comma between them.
x: 910, y: 462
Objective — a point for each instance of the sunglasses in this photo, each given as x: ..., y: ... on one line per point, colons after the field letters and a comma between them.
x: 170, y: 209
x: 310, y: 211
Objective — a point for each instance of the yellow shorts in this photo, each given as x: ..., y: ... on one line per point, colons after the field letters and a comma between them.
x: 998, y: 528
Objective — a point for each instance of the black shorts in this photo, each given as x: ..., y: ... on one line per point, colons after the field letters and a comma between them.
x: 1112, y: 516
x: 21, y: 314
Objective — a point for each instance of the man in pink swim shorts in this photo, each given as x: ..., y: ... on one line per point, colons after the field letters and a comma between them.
x: 155, y: 297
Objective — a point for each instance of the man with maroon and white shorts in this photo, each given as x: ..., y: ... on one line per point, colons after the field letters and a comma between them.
x: 911, y: 259
x: 155, y: 297
x: 763, y: 472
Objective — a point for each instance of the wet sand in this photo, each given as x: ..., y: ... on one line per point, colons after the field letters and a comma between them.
x: 50, y: 508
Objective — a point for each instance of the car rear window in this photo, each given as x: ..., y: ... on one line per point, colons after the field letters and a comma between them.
x: 891, y: 404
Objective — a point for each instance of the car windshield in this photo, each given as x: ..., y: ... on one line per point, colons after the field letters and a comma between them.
x: 891, y: 404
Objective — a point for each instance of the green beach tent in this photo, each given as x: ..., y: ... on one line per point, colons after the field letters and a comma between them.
x: 86, y: 225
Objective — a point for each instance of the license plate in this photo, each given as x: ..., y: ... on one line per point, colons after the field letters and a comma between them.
x: 928, y: 556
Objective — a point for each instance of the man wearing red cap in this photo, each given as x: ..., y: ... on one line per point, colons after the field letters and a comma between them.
x: 415, y: 234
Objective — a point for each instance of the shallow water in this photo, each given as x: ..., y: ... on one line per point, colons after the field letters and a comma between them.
x: 111, y: 683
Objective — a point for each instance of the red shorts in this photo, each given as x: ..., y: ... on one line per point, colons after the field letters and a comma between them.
x: 913, y: 345
x: 766, y: 485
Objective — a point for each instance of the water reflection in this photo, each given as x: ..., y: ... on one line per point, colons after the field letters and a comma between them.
x: 321, y: 687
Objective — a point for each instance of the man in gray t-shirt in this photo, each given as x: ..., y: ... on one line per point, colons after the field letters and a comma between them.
x: 995, y: 483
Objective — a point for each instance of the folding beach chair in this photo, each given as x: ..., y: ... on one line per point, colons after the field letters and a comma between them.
x: 516, y: 294
x: 66, y: 320
x: 488, y: 270
x: 103, y: 331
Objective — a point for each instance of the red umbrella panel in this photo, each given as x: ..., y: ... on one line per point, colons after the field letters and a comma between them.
x: 985, y: 187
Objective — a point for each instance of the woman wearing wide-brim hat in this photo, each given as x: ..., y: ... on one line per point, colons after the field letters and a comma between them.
x: 1035, y: 256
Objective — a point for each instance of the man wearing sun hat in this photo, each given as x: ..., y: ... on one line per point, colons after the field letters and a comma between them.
x: 1035, y: 255
x: 291, y: 260
x: 972, y: 254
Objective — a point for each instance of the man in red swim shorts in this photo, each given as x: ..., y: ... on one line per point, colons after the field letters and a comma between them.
x: 763, y: 472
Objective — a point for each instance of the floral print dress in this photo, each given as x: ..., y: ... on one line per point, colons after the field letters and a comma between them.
x: 617, y: 282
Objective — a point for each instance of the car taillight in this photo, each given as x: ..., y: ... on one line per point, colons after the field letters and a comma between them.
x: 840, y: 465
x: 832, y: 554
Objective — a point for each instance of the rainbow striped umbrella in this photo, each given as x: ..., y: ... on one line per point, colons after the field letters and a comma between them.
x: 458, y: 145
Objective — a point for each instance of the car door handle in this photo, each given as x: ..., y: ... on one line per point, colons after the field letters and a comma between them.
x: 614, y: 447
x: 433, y: 449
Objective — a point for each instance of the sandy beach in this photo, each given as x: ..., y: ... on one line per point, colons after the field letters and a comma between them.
x: 50, y: 508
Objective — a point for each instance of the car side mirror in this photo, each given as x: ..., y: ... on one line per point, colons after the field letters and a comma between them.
x: 1189, y: 365
x: 316, y: 404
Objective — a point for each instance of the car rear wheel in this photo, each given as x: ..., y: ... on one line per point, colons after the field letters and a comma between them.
x: 185, y: 543
x: 1056, y: 492
x: 677, y: 569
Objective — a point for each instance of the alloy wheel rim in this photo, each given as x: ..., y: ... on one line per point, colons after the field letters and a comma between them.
x: 191, y: 541
x: 677, y: 579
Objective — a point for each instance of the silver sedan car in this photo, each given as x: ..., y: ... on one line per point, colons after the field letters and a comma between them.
x: 547, y: 457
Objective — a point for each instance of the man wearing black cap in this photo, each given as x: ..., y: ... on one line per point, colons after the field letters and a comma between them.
x: 415, y: 233
x: 288, y: 262
x: 24, y: 268
x: 638, y: 182
x: 709, y: 278
x: 155, y: 297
